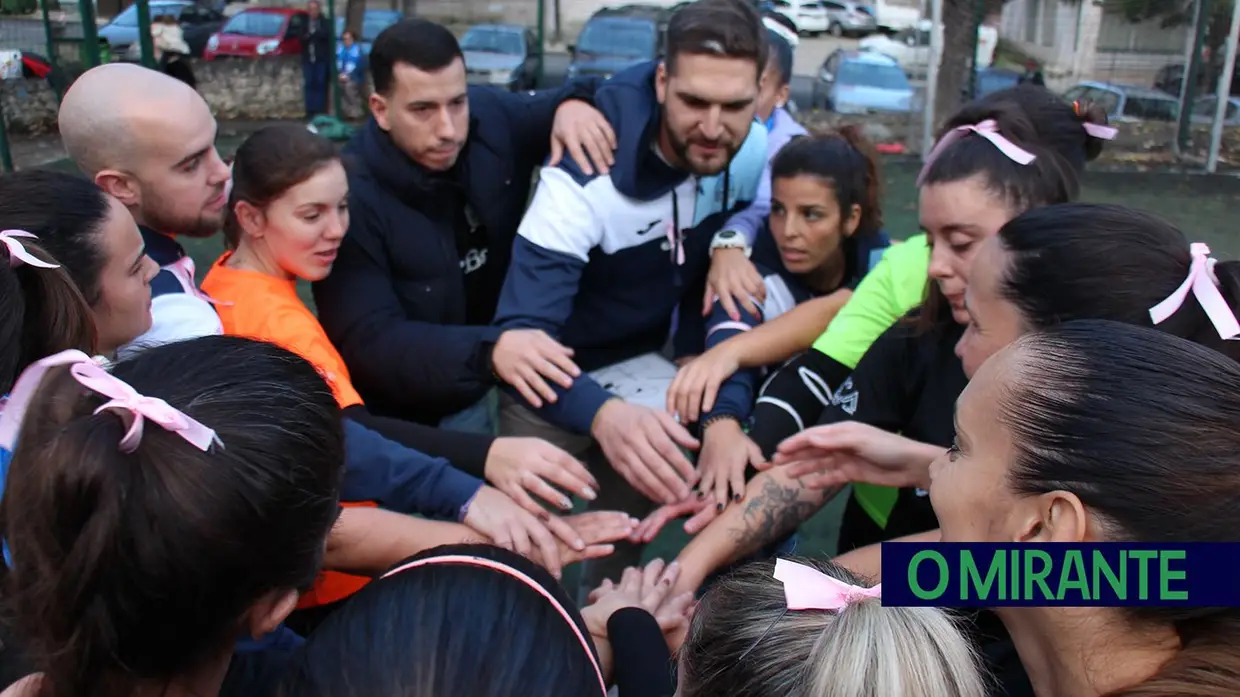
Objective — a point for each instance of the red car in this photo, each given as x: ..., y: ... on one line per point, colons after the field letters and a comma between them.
x: 258, y: 32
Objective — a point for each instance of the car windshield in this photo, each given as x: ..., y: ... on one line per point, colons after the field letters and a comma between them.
x: 492, y: 41
x: 373, y: 23
x: 885, y: 77
x: 618, y: 38
x: 1151, y: 108
x: 261, y: 24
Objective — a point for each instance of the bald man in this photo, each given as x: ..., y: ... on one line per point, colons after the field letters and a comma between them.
x: 149, y: 140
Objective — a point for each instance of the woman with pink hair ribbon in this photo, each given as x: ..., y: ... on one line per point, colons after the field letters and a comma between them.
x: 810, y: 628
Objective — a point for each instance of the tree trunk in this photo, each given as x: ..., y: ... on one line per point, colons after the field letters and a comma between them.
x: 959, y: 37
x: 353, y: 12
x: 409, y: 8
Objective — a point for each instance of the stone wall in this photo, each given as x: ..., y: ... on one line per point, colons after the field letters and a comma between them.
x: 236, y: 89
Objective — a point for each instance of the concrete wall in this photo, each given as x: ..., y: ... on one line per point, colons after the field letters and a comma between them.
x: 236, y: 90
x: 1083, y: 41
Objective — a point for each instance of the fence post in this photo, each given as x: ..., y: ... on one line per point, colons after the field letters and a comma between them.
x: 333, y: 79
x: 90, y: 33
x: 6, y: 156
x: 542, y: 42
x: 51, y: 47
x: 145, y: 42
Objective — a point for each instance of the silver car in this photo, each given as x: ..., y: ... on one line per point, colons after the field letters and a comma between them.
x: 849, y: 18
x: 503, y: 55
x: 863, y: 82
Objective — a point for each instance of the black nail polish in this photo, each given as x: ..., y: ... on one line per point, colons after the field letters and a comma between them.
x: 736, y: 497
x: 701, y: 494
x: 719, y: 507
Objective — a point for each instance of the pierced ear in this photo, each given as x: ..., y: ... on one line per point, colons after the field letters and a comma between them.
x: 660, y: 82
x: 118, y: 185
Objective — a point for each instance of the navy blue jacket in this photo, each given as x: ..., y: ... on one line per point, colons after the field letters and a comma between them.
x: 396, y: 303
x: 602, y: 262
x: 784, y: 290
x: 401, y: 479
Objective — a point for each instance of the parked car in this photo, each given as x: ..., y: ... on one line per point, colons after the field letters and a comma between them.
x: 373, y: 22
x: 258, y: 32
x: 1204, y: 108
x: 613, y: 40
x: 1170, y: 78
x: 849, y: 18
x: 809, y: 16
x: 1127, y: 103
x: 198, y: 23
x: 911, y: 47
x: 504, y: 55
x: 995, y: 79
x: 862, y: 82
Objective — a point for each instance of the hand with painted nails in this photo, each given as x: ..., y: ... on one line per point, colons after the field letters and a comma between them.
x: 647, y: 589
x: 726, y: 453
x: 520, y: 467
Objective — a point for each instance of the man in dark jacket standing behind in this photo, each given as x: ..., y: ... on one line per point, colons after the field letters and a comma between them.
x: 315, y: 54
x: 439, y: 179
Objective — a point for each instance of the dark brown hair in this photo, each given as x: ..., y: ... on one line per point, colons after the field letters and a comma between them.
x: 725, y: 28
x: 1143, y: 427
x: 847, y: 161
x: 1038, y: 121
x: 269, y: 163
x: 41, y: 312
x: 139, y: 567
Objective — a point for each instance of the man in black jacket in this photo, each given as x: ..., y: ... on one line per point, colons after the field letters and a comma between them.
x: 439, y: 178
x: 315, y: 54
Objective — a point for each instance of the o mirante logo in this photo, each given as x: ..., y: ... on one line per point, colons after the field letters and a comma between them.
x: 1096, y: 574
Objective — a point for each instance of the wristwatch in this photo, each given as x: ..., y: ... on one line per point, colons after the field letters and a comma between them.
x: 730, y: 239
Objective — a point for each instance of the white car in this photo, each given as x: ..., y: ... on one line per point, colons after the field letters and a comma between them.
x: 911, y: 47
x: 809, y: 16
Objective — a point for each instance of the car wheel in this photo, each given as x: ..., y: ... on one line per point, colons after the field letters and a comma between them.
x: 837, y: 30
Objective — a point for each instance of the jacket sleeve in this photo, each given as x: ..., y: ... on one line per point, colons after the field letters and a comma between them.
x: 878, y: 391
x: 892, y: 288
x: 794, y: 398
x: 531, y: 115
x: 551, y: 250
x: 736, y: 394
x: 401, y: 479
x: 749, y: 221
x: 466, y: 451
x: 389, y: 355
x: 642, y: 665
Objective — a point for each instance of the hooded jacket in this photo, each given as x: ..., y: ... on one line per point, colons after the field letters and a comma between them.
x: 602, y: 262
x: 411, y: 296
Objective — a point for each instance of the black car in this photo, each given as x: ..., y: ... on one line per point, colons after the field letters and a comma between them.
x: 616, y: 38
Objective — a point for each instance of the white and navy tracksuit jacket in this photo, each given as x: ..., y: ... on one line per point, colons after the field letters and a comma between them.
x: 602, y: 262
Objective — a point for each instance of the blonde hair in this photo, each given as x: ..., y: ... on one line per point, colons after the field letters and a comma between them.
x: 744, y: 642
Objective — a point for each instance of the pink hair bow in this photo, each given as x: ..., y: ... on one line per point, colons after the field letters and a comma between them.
x: 1204, y: 286
x: 122, y: 397
x: 1101, y: 132
x: 987, y: 129
x: 17, y: 251
x: 809, y: 589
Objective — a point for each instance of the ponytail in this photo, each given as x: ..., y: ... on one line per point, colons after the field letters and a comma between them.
x: 41, y: 312
x: 744, y: 640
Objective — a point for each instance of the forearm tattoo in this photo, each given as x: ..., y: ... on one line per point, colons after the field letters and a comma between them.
x: 776, y: 510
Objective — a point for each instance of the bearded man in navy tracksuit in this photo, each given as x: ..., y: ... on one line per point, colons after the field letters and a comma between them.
x: 602, y: 263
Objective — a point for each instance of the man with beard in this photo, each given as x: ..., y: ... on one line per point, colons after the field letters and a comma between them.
x: 602, y: 262
x: 149, y: 140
